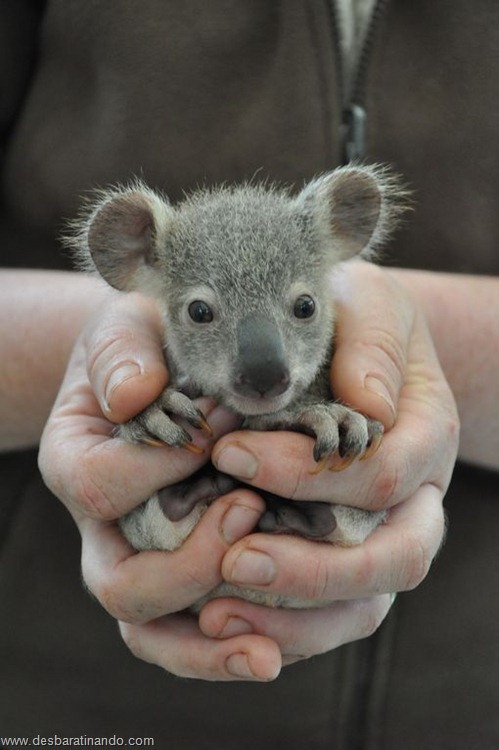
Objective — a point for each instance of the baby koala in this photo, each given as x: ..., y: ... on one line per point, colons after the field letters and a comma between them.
x: 242, y: 275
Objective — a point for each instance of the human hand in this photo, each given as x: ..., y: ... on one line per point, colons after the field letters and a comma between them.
x: 235, y: 638
x: 116, y: 369
x: 385, y: 366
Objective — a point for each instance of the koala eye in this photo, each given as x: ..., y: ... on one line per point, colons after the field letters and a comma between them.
x: 304, y: 307
x: 200, y: 312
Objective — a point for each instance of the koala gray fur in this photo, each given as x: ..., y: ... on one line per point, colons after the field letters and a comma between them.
x: 242, y: 277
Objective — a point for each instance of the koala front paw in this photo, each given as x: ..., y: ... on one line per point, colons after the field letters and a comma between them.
x: 337, y: 429
x: 154, y: 426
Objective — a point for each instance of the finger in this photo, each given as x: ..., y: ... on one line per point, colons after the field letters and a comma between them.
x: 372, y: 336
x: 396, y: 557
x: 299, y: 633
x: 125, y: 360
x: 418, y: 449
x: 102, y: 477
x: 137, y: 587
x: 176, y: 644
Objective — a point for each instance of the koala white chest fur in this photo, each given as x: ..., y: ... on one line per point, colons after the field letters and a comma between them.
x: 241, y: 274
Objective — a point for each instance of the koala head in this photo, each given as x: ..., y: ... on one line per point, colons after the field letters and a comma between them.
x: 242, y: 274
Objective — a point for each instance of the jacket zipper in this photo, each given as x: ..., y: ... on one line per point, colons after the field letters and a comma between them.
x: 354, y: 127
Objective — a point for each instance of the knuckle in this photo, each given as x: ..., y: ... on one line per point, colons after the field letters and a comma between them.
x: 52, y: 466
x: 367, y: 576
x: 417, y: 563
x: 44, y: 467
x: 52, y: 477
x: 318, y: 583
x: 452, y: 430
x: 90, y: 495
x: 117, y: 593
x: 107, y: 345
x: 114, y: 601
x: 129, y: 634
x: 107, y: 596
x: 199, y: 580
x: 386, y: 485
x: 370, y: 616
x: 77, y: 486
x: 387, y: 350
x: 92, y: 500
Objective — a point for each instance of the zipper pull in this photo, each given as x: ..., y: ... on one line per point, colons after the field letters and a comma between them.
x: 354, y: 124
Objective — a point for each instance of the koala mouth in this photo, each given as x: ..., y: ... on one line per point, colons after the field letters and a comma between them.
x: 254, y: 405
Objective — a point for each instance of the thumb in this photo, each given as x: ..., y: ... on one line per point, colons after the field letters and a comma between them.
x: 375, y: 319
x: 125, y: 362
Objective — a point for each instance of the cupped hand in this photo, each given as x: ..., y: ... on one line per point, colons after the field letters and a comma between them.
x: 384, y: 365
x: 116, y: 369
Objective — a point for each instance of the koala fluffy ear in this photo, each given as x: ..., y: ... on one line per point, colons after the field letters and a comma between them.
x: 119, y: 236
x: 355, y: 208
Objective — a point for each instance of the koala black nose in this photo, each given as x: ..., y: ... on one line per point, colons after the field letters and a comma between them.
x: 261, y: 367
x: 267, y: 379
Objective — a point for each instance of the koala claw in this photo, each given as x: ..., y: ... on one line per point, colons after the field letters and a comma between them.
x: 156, y: 443
x: 337, y: 429
x: 193, y: 448
x: 154, y: 426
x: 152, y: 441
x: 375, y: 437
x: 321, y: 464
x: 343, y: 464
x: 203, y: 424
x: 340, y: 432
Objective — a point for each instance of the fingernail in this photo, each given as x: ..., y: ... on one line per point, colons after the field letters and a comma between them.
x: 238, y: 666
x: 236, y: 461
x: 235, y: 626
x: 238, y: 521
x: 254, y: 568
x: 379, y: 388
x: 124, y: 371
